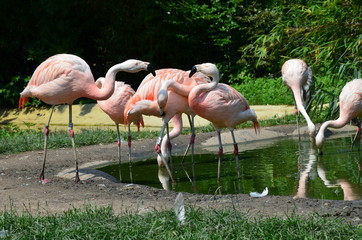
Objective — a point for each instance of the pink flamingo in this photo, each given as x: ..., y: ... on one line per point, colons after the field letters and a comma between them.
x: 219, y: 103
x: 63, y: 78
x: 144, y: 101
x: 350, y: 107
x: 114, y: 108
x: 298, y: 77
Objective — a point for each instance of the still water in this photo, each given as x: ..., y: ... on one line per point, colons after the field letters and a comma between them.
x: 287, y: 167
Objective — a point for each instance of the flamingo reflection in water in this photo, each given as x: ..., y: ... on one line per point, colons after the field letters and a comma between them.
x: 314, y: 167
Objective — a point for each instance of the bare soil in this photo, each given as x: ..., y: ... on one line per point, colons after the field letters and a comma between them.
x: 20, y: 188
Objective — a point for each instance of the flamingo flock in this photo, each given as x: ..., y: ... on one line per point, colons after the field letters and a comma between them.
x: 169, y: 93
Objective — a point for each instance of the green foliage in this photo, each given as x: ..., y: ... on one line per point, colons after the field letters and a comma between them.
x: 264, y: 91
x: 247, y: 39
x: 304, y: 31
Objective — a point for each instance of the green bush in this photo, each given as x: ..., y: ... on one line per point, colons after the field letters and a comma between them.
x: 264, y: 91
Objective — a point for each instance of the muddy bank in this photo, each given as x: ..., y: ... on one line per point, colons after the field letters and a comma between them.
x: 20, y: 188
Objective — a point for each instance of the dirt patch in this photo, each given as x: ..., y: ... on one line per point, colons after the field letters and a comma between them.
x: 20, y: 187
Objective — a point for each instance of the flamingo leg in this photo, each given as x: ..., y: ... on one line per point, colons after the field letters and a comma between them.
x: 119, y: 152
x: 129, y: 138
x: 159, y: 139
x: 219, y: 154
x: 169, y: 146
x: 296, y: 112
x: 192, y: 140
x: 158, y: 150
x: 71, y: 134
x: 236, y: 152
x: 46, y: 133
x: 357, y: 137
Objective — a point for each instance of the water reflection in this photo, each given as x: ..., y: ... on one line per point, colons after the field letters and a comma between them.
x: 288, y: 167
x: 351, y: 191
x: 164, y: 178
x: 309, y: 163
x: 306, y: 163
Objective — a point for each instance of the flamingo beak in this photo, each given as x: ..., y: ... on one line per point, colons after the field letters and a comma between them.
x: 193, y: 71
x: 151, y: 69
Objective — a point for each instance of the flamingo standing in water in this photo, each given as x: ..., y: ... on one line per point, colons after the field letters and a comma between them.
x: 298, y: 77
x: 63, y: 78
x: 219, y: 103
x: 144, y: 101
x: 114, y: 108
x: 350, y: 107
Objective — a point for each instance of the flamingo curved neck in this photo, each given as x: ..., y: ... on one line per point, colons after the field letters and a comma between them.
x: 338, y: 123
x: 107, y: 87
x: 301, y: 109
x: 207, y: 86
x: 176, y: 131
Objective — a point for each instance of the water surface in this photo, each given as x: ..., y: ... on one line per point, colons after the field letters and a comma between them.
x: 287, y: 167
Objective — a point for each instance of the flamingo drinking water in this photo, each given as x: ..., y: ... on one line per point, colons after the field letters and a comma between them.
x: 350, y: 107
x: 298, y: 77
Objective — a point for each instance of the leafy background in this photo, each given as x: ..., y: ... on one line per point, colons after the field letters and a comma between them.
x: 248, y: 40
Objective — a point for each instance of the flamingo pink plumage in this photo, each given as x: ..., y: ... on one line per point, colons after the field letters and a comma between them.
x: 350, y: 107
x: 298, y: 77
x: 219, y: 103
x: 114, y: 108
x: 63, y: 78
x: 144, y: 101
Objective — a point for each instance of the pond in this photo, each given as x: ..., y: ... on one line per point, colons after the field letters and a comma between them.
x: 288, y: 167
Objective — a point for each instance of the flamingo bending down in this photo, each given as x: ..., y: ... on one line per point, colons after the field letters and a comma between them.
x: 219, y: 103
x: 144, y: 101
x: 298, y: 77
x: 63, y: 78
x: 350, y: 107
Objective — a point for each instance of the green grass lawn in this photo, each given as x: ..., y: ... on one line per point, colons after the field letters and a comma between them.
x: 14, y: 140
x: 102, y: 223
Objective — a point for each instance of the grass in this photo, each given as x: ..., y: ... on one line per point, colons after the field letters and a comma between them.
x: 14, y: 140
x: 102, y: 223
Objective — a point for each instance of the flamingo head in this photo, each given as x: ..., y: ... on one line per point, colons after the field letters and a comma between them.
x: 133, y: 66
x: 319, y: 141
x: 312, y: 131
x: 162, y: 98
x: 209, y: 69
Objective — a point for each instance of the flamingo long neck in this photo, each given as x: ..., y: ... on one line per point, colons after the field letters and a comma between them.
x: 205, y: 87
x: 301, y: 109
x: 176, y: 131
x: 107, y: 88
x: 180, y: 89
x: 338, y: 123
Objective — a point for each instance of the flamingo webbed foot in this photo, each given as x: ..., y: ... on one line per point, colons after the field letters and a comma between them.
x: 44, y: 181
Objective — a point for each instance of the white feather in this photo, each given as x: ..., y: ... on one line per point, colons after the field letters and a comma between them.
x: 256, y: 194
x: 180, y: 208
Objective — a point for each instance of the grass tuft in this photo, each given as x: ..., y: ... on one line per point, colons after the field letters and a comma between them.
x: 102, y: 223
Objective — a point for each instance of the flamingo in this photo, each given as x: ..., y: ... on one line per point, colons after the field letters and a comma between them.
x: 219, y: 103
x: 144, y: 101
x: 350, y: 107
x: 114, y: 108
x: 63, y: 78
x: 297, y: 76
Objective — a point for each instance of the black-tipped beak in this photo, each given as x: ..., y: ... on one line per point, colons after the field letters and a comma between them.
x: 193, y: 71
x: 151, y: 69
x: 162, y: 113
